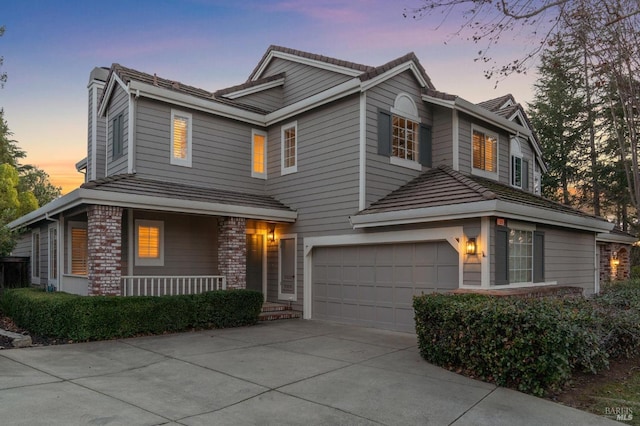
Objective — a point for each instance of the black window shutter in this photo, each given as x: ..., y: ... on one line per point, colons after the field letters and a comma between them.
x: 502, y: 255
x: 384, y: 133
x: 538, y: 257
x: 525, y: 175
x: 425, y: 145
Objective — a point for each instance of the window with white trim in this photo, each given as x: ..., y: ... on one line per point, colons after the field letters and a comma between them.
x: 404, y: 138
x: 35, y: 256
x: 519, y: 252
x: 289, y: 150
x: 149, y: 242
x: 258, y: 154
x: 181, y: 138
x: 485, y: 152
x: 78, y: 248
x: 517, y: 166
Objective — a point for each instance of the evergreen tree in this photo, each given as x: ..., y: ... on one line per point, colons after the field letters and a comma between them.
x: 557, y: 115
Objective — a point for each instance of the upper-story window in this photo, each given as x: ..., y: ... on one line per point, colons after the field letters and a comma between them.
x: 404, y: 143
x: 289, y: 152
x: 517, y: 170
x: 181, y: 145
x: 258, y: 154
x: 117, y: 132
x: 485, y: 152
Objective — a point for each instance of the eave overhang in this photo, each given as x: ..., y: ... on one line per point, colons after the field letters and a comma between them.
x: 609, y: 237
x: 84, y: 196
x: 497, y: 208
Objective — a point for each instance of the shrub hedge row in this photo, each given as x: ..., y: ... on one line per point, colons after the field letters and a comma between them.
x: 532, y: 345
x: 528, y: 344
x: 63, y: 315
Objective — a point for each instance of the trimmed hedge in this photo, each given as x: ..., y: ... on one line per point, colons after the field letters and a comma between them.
x: 528, y: 344
x: 79, y: 318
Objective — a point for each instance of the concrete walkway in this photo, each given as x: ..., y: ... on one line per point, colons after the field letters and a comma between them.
x: 292, y: 372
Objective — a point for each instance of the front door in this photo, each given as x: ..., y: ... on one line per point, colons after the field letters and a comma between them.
x: 255, y: 256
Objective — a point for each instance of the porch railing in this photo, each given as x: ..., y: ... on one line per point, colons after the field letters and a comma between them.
x: 171, y: 285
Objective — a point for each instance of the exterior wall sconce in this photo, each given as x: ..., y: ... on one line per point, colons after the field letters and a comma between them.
x: 614, y: 259
x: 471, y: 246
x: 271, y: 233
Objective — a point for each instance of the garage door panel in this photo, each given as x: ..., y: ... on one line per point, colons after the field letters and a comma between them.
x: 374, y: 285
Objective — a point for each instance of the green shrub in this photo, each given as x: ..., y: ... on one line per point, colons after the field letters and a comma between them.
x: 618, y: 304
x: 81, y: 318
x: 635, y: 272
x: 529, y: 345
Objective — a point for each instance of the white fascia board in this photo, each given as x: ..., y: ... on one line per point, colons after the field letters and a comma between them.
x: 90, y: 196
x: 479, y: 112
x: 109, y: 90
x: 607, y: 237
x: 82, y: 164
x: 340, y: 91
x: 424, y: 215
x: 409, y: 65
x: 193, y: 102
x: 480, y: 209
x: 415, y: 235
x: 311, y: 62
x: 255, y: 89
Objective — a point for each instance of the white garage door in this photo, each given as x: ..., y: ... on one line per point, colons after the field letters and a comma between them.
x: 373, y: 285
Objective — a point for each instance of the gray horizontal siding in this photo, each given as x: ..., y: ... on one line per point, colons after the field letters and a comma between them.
x: 268, y: 100
x: 221, y: 155
x: 90, y: 148
x: 325, y: 188
x: 101, y: 142
x: 119, y: 104
x: 190, y: 244
x: 570, y: 258
x: 442, y: 137
x: 23, y: 246
x: 383, y: 177
x: 301, y: 80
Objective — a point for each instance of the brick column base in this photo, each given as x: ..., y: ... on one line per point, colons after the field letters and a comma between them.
x: 104, y: 247
x: 232, y: 251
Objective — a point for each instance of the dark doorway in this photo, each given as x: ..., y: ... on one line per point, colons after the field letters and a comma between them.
x: 255, y: 254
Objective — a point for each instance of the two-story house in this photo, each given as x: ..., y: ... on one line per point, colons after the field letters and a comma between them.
x: 343, y: 189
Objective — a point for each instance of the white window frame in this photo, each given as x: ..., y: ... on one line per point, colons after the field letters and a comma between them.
x: 53, y: 254
x: 482, y: 172
x: 520, y: 227
x: 71, y: 226
x: 283, y: 129
x: 255, y: 174
x: 516, y: 156
x: 177, y: 161
x: 143, y: 261
x: 36, y: 256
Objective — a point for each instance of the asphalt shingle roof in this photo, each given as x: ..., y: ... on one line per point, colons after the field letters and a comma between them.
x: 132, y: 184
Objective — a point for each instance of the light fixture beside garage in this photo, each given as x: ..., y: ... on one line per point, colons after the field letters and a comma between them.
x: 471, y: 246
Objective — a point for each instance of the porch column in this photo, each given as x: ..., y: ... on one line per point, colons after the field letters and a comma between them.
x: 104, y: 247
x: 232, y: 251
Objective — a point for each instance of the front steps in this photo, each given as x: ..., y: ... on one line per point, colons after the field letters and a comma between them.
x: 277, y: 311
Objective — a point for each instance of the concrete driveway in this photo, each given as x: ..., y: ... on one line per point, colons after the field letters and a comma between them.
x: 288, y: 372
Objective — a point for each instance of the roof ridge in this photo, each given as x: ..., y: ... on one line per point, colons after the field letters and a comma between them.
x: 411, y: 56
x: 485, y: 192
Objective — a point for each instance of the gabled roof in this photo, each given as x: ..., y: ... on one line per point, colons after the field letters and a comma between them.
x: 444, y: 194
x: 498, y: 103
x: 273, y: 50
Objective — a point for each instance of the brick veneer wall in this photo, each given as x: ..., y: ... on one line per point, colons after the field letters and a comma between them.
x: 232, y: 251
x: 610, y: 272
x: 104, y: 246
